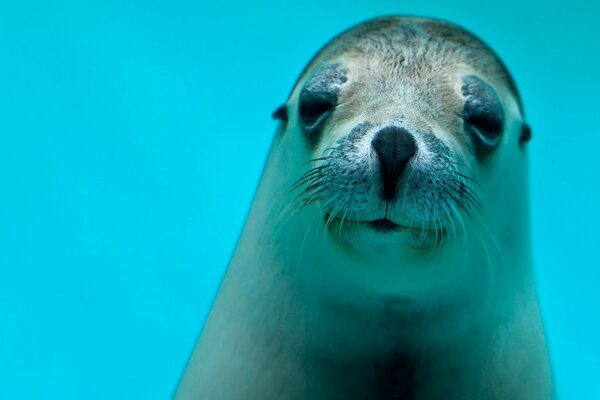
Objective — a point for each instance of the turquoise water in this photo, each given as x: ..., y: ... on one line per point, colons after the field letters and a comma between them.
x: 120, y: 204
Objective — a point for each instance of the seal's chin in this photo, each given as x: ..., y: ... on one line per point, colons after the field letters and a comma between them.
x: 383, y: 232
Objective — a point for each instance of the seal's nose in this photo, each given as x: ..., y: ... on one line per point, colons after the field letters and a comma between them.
x: 394, y: 147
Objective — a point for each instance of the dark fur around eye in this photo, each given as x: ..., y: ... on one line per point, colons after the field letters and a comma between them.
x: 482, y: 114
x: 319, y: 97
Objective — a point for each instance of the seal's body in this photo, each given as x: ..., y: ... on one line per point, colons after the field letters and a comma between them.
x: 386, y: 254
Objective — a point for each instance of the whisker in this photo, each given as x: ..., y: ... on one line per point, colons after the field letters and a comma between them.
x: 324, y: 158
x: 307, y: 177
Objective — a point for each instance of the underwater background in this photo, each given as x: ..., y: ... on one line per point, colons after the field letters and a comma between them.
x: 132, y: 137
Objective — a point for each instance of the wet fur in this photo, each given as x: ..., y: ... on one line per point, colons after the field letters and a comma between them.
x: 301, y: 315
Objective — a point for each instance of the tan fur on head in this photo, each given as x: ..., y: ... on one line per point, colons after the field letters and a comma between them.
x: 417, y: 46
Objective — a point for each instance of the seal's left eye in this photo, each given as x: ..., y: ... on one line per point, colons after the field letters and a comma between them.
x: 484, y: 125
x: 482, y: 114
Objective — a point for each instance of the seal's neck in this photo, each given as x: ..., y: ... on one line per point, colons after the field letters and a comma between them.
x: 300, y: 318
x: 274, y: 336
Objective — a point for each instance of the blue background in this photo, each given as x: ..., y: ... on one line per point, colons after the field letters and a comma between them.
x: 133, y: 134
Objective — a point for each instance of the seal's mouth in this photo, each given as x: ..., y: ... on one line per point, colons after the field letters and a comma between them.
x: 381, y: 233
x: 382, y: 225
x: 385, y: 225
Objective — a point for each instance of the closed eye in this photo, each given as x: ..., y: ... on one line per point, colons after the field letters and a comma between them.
x: 489, y: 124
x: 319, y: 97
x: 483, y: 114
x: 314, y: 105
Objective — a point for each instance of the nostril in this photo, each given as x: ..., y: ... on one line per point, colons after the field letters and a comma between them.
x: 394, y: 147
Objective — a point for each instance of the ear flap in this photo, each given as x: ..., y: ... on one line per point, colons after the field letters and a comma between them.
x: 525, y: 134
x: 280, y: 113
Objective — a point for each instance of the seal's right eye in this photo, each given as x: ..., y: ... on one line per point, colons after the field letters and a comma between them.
x: 319, y: 97
x: 315, y: 106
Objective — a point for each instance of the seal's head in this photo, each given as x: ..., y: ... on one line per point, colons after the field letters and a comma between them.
x: 401, y: 120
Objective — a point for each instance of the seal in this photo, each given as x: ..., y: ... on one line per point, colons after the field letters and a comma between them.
x: 386, y: 254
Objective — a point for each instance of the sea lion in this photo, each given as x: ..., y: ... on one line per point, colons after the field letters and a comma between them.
x: 387, y: 251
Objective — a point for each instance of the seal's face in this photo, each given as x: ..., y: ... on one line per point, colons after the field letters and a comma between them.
x: 400, y: 121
